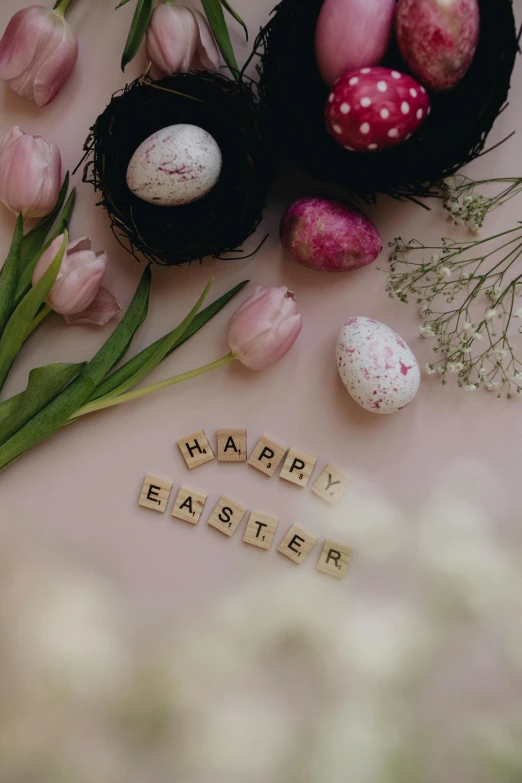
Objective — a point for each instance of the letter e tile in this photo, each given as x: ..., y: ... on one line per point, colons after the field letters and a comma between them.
x: 297, y: 544
x: 298, y: 467
x: 227, y: 515
x: 260, y: 530
x: 335, y: 559
x: 188, y: 505
x: 155, y: 493
x: 196, y: 449
x: 331, y: 484
x: 232, y: 445
x: 267, y: 456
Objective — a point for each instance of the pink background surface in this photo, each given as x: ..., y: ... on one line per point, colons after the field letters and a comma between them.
x: 79, y: 491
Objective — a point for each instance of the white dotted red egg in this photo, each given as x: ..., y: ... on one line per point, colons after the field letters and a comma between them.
x: 372, y: 109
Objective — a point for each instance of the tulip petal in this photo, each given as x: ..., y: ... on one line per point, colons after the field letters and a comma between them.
x: 75, y: 290
x: 103, y: 307
x: 19, y: 42
x: 172, y: 37
x: 207, y: 48
x: 46, y: 259
x: 56, y: 64
x: 268, y: 348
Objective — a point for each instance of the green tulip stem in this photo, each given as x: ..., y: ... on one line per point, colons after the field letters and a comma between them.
x: 134, y: 395
x: 61, y: 6
x: 37, y: 320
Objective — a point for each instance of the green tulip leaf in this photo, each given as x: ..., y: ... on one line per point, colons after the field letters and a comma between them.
x: 139, y: 24
x: 35, y: 238
x: 14, y: 334
x: 26, y: 275
x: 216, y: 19
x: 56, y: 413
x: 43, y: 386
x: 235, y: 14
x: 128, y: 370
x: 10, y: 273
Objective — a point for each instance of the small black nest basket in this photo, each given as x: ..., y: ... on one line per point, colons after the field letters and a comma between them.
x: 216, y: 224
x: 454, y: 134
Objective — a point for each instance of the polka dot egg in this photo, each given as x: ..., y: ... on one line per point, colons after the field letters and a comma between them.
x: 373, y: 109
x: 376, y: 366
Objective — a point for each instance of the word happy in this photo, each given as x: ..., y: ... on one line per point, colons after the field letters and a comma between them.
x: 227, y: 515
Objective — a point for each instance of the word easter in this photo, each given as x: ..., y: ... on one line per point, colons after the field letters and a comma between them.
x: 227, y: 515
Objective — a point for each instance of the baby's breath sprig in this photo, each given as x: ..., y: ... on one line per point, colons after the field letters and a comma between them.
x: 466, y: 207
x: 480, y: 280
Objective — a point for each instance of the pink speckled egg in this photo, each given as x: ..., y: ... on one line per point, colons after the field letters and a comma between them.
x: 372, y: 109
x: 438, y: 39
x: 329, y: 235
x: 176, y: 165
x: 376, y: 366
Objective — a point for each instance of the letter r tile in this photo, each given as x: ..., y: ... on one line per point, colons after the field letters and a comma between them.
x: 227, y: 515
x: 335, y: 559
x: 195, y: 449
x: 155, y: 493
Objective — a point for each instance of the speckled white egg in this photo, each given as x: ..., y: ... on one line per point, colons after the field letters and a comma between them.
x: 176, y: 165
x: 376, y: 366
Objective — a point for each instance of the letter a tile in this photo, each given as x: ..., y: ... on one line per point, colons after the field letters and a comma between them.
x: 232, y: 445
x: 227, y: 515
x: 155, y: 493
x: 260, y: 530
x: 297, y: 544
x: 196, y: 449
x: 298, y: 467
x: 188, y: 505
x: 331, y: 484
x: 335, y: 559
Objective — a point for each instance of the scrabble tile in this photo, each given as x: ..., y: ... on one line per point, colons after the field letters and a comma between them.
x: 335, y: 559
x: 267, y: 456
x: 331, y: 484
x: 155, y: 493
x: 227, y: 515
x: 196, y: 449
x: 188, y: 505
x: 298, y: 467
x: 260, y: 530
x: 232, y: 445
x: 297, y: 544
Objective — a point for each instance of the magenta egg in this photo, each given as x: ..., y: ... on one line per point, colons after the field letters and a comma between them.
x: 329, y: 235
x: 438, y: 39
x: 373, y: 109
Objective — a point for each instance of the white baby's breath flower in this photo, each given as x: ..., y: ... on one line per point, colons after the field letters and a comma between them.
x: 468, y: 327
x: 455, y: 367
x: 430, y: 369
x: 444, y: 272
x: 492, y: 385
x: 490, y: 313
x: 518, y: 375
x: 426, y: 331
x: 477, y: 336
x: 500, y: 353
x: 435, y: 259
x: 518, y: 313
x: 471, y: 387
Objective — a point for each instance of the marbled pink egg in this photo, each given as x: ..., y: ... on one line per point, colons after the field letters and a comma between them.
x: 438, y: 39
x: 376, y: 366
x: 372, y: 109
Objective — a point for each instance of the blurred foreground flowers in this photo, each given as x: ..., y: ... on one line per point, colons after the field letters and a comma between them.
x: 410, y: 670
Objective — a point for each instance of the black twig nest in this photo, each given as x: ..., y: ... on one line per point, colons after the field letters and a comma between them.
x: 454, y: 134
x: 221, y: 221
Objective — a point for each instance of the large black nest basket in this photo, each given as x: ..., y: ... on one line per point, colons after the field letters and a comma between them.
x: 216, y: 224
x: 454, y: 134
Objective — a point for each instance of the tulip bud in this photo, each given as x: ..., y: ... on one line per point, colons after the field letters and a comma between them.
x: 77, y: 292
x: 178, y: 40
x: 30, y: 174
x: 264, y: 328
x: 38, y: 52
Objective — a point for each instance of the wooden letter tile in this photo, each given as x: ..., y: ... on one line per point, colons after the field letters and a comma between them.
x: 331, y: 484
x: 297, y: 544
x: 232, y: 446
x: 267, y: 456
x: 298, y: 467
x: 227, y: 515
x: 335, y: 559
x: 196, y: 449
x: 155, y: 493
x: 260, y: 530
x: 188, y: 505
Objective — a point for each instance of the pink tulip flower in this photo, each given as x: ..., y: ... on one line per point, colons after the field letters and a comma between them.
x: 264, y: 328
x: 30, y: 174
x: 38, y: 52
x: 77, y: 292
x: 178, y: 40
